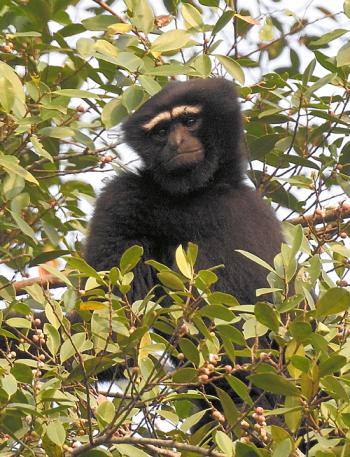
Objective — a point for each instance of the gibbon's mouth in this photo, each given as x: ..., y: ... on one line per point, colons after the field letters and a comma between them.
x: 185, y: 160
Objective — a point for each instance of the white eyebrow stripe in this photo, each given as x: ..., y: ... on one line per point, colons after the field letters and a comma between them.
x: 184, y: 109
x: 167, y: 115
x: 164, y: 116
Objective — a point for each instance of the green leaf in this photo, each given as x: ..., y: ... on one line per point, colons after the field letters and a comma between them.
x: 171, y: 280
x: 97, y: 452
x: 105, y: 47
x: 221, y: 298
x: 343, y: 56
x: 57, y: 132
x: 23, y: 226
x: 132, y: 97
x: 192, y: 420
x: 267, y: 316
x: 143, y: 16
x: 217, y: 312
x: 39, y: 149
x: 119, y: 27
x: 12, y: 185
x: 78, y: 93
x: 85, y: 47
x: 150, y: 85
x: 9, y: 384
x: 222, y: 21
x: 327, y: 38
x: 8, y: 73
x: 293, y: 414
x: 232, y: 67
x: 71, y: 347
x: 224, y: 443
x: 128, y: 450
x: 53, y: 338
x: 83, y: 267
x: 300, y: 330
x: 22, y: 373
x: 274, y: 383
x: 7, y: 95
x: 56, y: 433
x: 129, y: 61
x: 171, y: 41
x: 190, y: 351
x: 113, y: 113
x: 283, y: 448
x: 333, y: 301
x: 58, y: 274
x: 171, y: 69
x: 130, y: 258
x: 246, y: 450
x: 192, y: 17
x: 332, y: 364
x: 53, y: 313
x: 346, y: 7
x: 230, y: 410
x: 255, y: 259
x: 266, y: 31
x: 318, y: 84
x: 99, y: 23
x: 210, y: 3
x: 202, y: 64
x: 182, y: 262
x: 185, y: 375
x: 232, y: 334
x: 240, y: 388
x: 335, y: 388
x: 11, y: 165
x: 106, y: 412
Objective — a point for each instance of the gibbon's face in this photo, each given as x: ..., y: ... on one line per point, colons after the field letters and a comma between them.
x: 175, y: 135
x: 186, y: 132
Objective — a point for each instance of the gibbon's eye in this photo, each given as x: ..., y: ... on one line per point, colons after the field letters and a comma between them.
x: 160, y: 132
x: 190, y: 121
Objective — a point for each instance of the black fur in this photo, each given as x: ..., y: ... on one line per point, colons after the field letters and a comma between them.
x: 207, y: 204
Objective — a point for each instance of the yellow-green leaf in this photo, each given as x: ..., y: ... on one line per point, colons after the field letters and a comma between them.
x: 120, y: 27
x: 182, y: 262
x: 23, y: 226
x: 11, y: 165
x: 192, y: 17
x: 78, y: 93
x: 113, y: 113
x: 343, y: 56
x: 56, y: 433
x: 172, y: 40
x: 39, y: 149
x: 232, y: 67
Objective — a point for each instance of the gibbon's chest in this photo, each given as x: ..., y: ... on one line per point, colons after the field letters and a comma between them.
x: 187, y: 219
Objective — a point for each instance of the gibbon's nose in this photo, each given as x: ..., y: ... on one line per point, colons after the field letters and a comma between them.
x: 177, y: 135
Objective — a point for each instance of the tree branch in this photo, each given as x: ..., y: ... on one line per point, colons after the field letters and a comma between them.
x: 330, y: 215
x: 49, y: 280
x: 147, y: 443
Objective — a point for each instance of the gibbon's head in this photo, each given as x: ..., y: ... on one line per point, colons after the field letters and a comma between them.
x: 188, y: 135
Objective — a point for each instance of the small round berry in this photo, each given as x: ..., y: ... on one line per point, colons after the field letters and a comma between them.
x: 216, y: 415
x: 203, y: 378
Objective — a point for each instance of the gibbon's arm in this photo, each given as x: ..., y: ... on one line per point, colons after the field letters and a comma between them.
x: 114, y: 228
